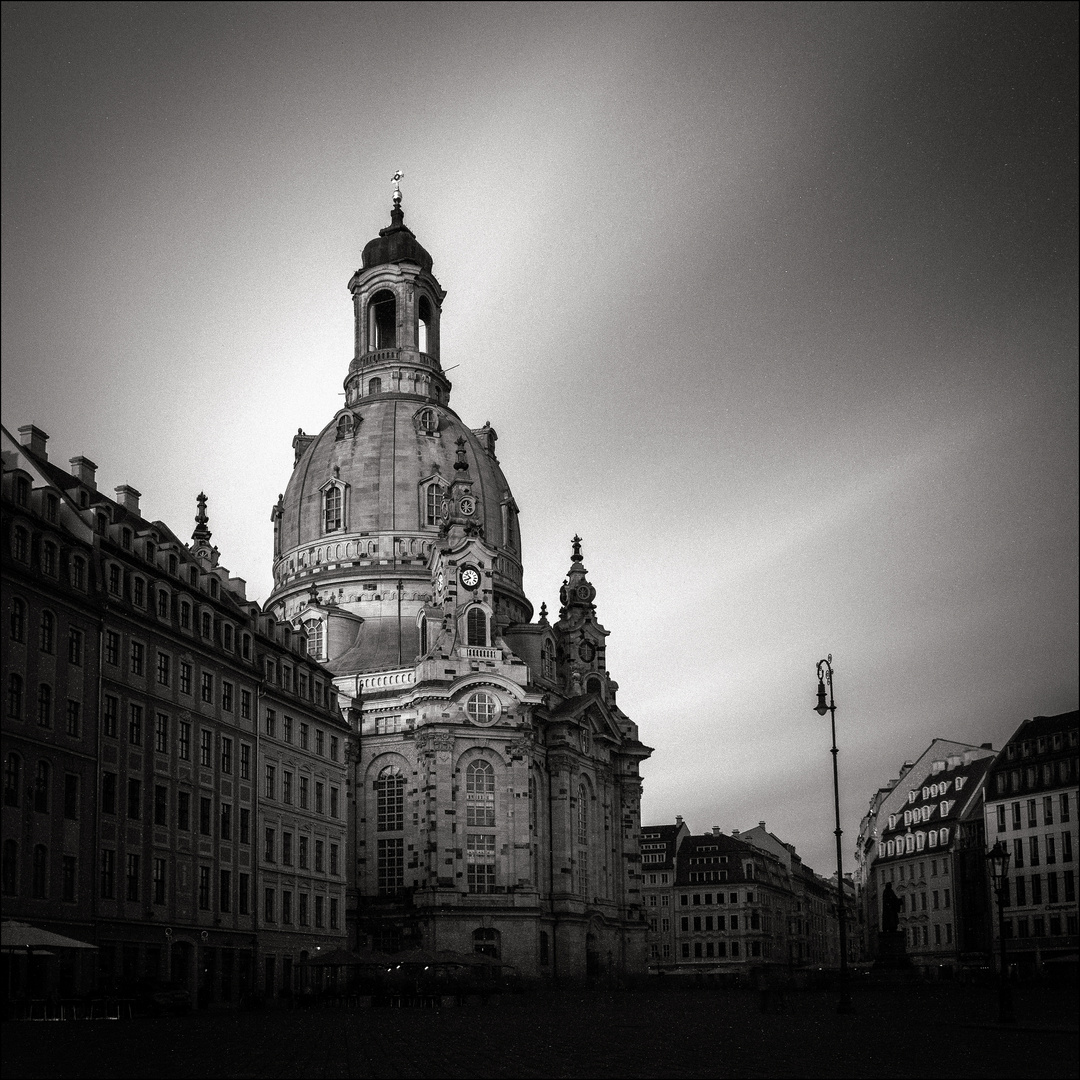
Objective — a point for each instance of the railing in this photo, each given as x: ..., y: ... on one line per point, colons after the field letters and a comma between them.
x: 385, y: 680
x: 394, y: 356
x: 473, y: 652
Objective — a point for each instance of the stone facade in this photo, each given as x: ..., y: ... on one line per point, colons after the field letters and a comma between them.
x: 495, y: 795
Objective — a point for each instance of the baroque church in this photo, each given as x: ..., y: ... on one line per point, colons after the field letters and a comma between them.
x: 494, y: 785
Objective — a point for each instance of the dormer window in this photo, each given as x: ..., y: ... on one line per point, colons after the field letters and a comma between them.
x: 22, y: 491
x: 52, y: 507
x: 382, y: 325
x: 314, y: 628
x: 433, y: 500
x: 476, y: 627
x: 214, y: 587
x: 174, y: 564
x: 374, y: 386
x: 428, y: 420
x: 547, y: 660
x: 151, y: 550
x: 333, y: 508
x: 125, y: 539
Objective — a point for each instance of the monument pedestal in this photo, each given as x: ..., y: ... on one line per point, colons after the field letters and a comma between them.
x: 892, y: 951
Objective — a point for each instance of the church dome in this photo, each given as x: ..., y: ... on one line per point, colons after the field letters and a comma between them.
x: 396, y: 244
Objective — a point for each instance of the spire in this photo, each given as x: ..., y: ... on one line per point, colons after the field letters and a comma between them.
x: 576, y: 591
x: 202, y: 534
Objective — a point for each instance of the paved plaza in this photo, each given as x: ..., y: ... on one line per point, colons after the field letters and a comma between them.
x: 918, y: 1031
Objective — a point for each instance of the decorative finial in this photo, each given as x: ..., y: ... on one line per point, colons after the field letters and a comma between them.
x: 201, y: 534
x: 577, y: 548
x: 543, y: 613
x: 461, y: 465
x: 396, y: 181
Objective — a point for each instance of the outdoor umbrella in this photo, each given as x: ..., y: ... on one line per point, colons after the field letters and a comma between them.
x: 19, y: 936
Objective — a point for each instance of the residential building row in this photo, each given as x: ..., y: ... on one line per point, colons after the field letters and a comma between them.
x: 175, y: 781
x: 926, y: 839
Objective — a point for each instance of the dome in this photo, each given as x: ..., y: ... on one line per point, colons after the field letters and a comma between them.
x: 396, y: 243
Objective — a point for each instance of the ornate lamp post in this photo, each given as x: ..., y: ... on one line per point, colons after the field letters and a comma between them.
x: 998, y: 857
x: 825, y: 676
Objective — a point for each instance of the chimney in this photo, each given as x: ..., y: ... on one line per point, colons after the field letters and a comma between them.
x: 937, y: 766
x: 761, y: 824
x: 128, y: 497
x: 34, y: 439
x: 734, y: 832
x: 716, y: 830
x: 84, y: 470
x: 678, y: 819
x: 238, y: 587
x: 987, y: 746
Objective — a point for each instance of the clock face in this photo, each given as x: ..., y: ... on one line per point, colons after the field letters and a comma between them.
x: 440, y: 580
x: 470, y: 577
x: 587, y: 651
x: 468, y: 506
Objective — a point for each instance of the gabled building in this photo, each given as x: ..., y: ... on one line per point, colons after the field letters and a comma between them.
x: 659, y: 848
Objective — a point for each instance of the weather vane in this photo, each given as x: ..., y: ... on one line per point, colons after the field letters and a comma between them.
x: 396, y: 181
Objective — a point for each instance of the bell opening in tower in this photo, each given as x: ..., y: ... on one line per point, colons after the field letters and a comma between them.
x: 383, y: 311
x: 423, y: 324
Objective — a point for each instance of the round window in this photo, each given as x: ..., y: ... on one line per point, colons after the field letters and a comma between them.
x: 482, y: 708
x: 428, y: 420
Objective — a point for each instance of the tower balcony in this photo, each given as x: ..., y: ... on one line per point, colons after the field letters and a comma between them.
x: 381, y: 357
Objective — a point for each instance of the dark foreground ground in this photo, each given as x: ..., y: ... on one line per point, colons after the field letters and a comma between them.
x: 920, y: 1031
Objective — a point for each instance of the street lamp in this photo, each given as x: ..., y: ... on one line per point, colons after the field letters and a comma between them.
x: 998, y: 857
x: 825, y: 676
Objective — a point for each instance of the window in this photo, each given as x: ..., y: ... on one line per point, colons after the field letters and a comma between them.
x: 183, y: 810
x: 433, y: 503
x: 185, y: 615
x: 135, y: 714
x: 1066, y: 847
x: 268, y: 908
x: 269, y: 845
x: 164, y: 665
x: 334, y: 752
x: 227, y: 637
x: 206, y: 748
x: 44, y: 710
x: 161, y: 733
x: 15, y: 697
x: 244, y: 888
x: 286, y: 786
x: 1031, y: 819
x: 226, y: 755
x: 314, y: 630
x: 332, y: 508
x: 161, y: 805
x: 108, y: 874
x: 204, y: 888
x: 185, y: 678
x: 108, y: 793
x: 11, y: 867
x: 1016, y: 822
x: 48, y: 559
x: 75, y: 647
x: 286, y: 849
x: 333, y: 913
x: 303, y: 792
x: 22, y: 491
x: 1018, y: 853
x: 334, y: 802
x: 74, y: 714
x: 320, y: 741
x: 205, y: 809
x: 225, y: 890
x: 245, y: 761
x: 20, y: 544
x: 303, y: 850
x: 320, y: 849
x: 184, y: 740
x: 138, y: 654
x: 1048, y: 810
x: 391, y: 865
x: 207, y: 624
x: 286, y: 906
x: 482, y: 708
x: 78, y: 573
x: 1051, y: 854
x: 382, y: 322
x: 159, y: 881
x: 476, y: 627
x: 48, y: 632
x: 303, y: 735
x: 134, y: 799
x: 245, y: 825
x: 115, y: 580
x: 1033, y: 851
x: 68, y: 877
x: 112, y: 647
x: 162, y: 604
x: 1063, y: 806
x: 303, y: 909
x: 207, y: 691
x: 71, y: 796
x: 271, y: 723
x: 133, y: 877
x: 319, y: 797
x: 12, y: 779
x: 1001, y: 817
x: 18, y: 620
x: 226, y: 821
x: 333, y: 860
x: 139, y: 592
x: 245, y: 704
x: 41, y: 788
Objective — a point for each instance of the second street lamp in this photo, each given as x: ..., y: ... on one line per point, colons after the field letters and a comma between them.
x: 998, y: 858
x: 823, y: 706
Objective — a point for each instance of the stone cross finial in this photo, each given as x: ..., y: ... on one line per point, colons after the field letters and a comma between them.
x: 577, y: 548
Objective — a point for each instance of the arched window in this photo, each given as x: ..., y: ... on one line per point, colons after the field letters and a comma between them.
x: 41, y: 788
x: 374, y: 386
x: 20, y: 544
x: 207, y: 624
x: 12, y: 779
x: 428, y: 420
x: 314, y: 629
x: 22, y: 491
x: 48, y: 559
x: 480, y: 795
x: 11, y: 867
x: 390, y: 799
x: 423, y: 635
x: 423, y: 324
x: 583, y: 815
x: 382, y: 328
x: 593, y: 685
x: 44, y: 705
x: 476, y: 627
x: 433, y: 504
x: 15, y: 697
x: 78, y: 573
x: 547, y: 660
x: 37, y: 884
x: 18, y: 620
x: 162, y: 604
x: 333, y: 509
x: 486, y: 941
x: 344, y: 426
x: 48, y: 631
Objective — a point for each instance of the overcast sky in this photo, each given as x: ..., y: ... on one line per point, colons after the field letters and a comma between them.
x: 775, y: 305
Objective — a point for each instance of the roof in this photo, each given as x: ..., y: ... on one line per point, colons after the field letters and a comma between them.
x: 396, y: 243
